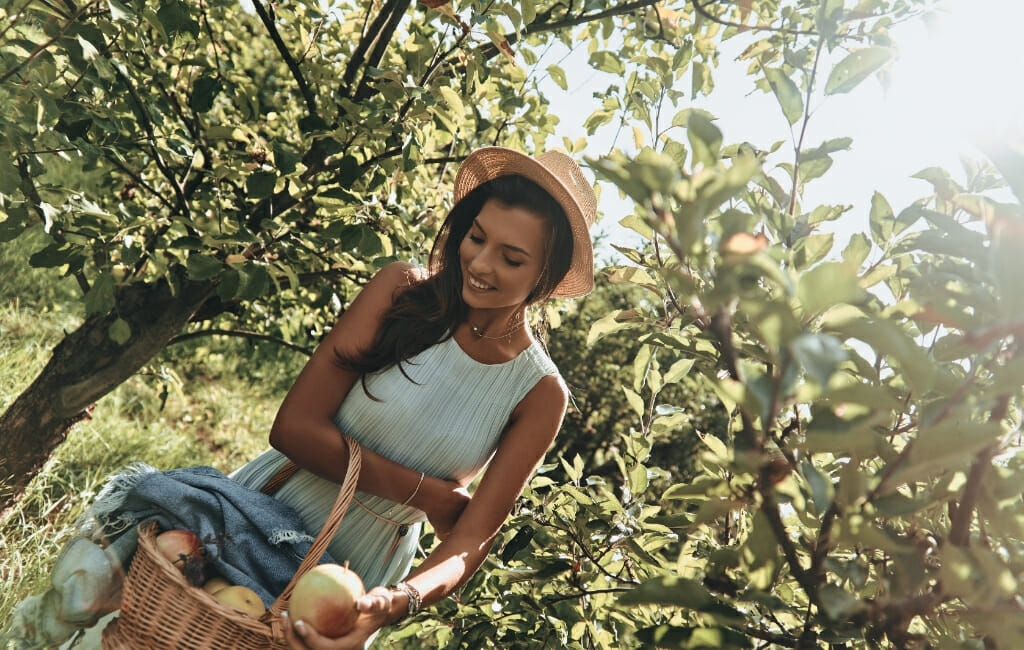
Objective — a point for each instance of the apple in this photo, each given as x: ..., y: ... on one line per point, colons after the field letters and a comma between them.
x: 215, y: 584
x: 184, y: 550
x: 325, y: 598
x: 241, y: 598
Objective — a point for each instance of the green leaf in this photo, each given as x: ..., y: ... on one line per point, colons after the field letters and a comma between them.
x: 453, y: 100
x: 855, y: 68
x: 826, y: 285
x: 203, y: 267
x: 820, y: 485
x: 856, y: 250
x: 670, y: 590
x: 175, y: 18
x: 611, y: 322
x: 883, y: 223
x: 10, y: 180
x: 52, y: 255
x: 100, y: 298
x: 819, y: 354
x: 255, y: 281
x: 837, y: 602
x: 606, y: 61
x: 204, y: 91
x: 635, y: 401
x: 120, y: 331
x: 787, y: 93
x: 826, y: 148
x: 120, y: 13
x: 285, y: 158
x: 705, y: 139
x: 949, y: 445
x: 558, y: 76
x: 260, y: 184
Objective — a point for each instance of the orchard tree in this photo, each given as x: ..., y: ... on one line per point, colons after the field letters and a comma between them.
x: 197, y: 167
x: 201, y: 168
x: 867, y: 491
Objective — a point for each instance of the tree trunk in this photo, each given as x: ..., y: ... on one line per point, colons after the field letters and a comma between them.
x: 86, y: 365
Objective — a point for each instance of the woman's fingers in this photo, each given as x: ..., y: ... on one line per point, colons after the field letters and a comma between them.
x: 290, y: 634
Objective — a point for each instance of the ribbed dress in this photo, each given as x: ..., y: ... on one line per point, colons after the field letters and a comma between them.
x: 446, y: 422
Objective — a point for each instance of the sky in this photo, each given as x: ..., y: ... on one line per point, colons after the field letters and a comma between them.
x: 959, y: 76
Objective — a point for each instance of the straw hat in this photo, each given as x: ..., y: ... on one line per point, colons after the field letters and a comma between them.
x: 563, y: 179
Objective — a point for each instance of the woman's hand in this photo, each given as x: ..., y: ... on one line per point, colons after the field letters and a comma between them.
x: 374, y: 610
x: 444, y: 511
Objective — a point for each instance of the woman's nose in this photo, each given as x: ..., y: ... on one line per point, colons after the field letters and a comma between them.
x: 481, y: 263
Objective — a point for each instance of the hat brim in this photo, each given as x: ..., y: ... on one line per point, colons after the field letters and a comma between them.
x: 488, y: 163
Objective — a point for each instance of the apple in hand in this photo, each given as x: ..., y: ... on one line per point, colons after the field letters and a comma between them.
x: 325, y: 598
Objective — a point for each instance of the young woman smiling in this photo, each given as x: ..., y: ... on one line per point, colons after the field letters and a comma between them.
x: 436, y: 375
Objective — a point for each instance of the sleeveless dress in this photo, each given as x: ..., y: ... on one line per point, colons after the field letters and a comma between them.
x: 446, y: 422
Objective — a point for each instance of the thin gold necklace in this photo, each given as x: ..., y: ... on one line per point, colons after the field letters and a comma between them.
x: 479, y: 333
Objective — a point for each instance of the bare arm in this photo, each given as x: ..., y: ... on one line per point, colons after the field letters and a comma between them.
x: 533, y: 426
x: 304, y: 429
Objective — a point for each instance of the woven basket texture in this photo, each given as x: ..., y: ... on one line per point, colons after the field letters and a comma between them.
x: 161, y: 611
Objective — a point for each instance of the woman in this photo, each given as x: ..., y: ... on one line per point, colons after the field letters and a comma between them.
x: 436, y: 374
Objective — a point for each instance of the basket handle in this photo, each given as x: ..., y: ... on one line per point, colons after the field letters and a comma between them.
x: 334, y: 517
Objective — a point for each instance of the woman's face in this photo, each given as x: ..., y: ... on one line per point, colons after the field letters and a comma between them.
x: 502, y: 256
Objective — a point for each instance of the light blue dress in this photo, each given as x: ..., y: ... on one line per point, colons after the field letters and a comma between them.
x: 446, y: 422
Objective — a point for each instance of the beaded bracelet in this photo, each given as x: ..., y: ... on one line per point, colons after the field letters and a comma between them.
x: 415, y: 600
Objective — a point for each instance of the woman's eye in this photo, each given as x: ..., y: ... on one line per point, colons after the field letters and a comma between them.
x: 513, y: 262
x: 476, y: 239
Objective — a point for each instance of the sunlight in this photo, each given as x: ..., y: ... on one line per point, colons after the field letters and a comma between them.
x: 958, y: 78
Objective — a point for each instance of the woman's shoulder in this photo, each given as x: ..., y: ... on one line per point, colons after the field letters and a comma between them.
x: 397, y: 275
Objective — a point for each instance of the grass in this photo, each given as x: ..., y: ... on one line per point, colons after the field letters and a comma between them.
x: 207, y: 402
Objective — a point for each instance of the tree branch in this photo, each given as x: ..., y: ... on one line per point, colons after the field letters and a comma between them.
x: 702, y: 10
x: 960, y: 526
x: 381, y: 44
x: 540, y: 25
x: 42, y: 48
x: 245, y: 334
x: 803, y: 128
x: 368, y: 41
x: 289, y: 60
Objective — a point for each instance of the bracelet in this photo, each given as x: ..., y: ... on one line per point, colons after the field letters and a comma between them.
x: 415, y: 600
x: 416, y: 491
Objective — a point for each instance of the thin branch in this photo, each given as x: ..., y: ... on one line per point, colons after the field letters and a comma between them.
x: 368, y: 41
x: 540, y: 25
x: 770, y: 507
x: 960, y: 526
x: 14, y: 18
x: 550, y: 600
x: 382, y: 41
x: 293, y: 67
x: 42, y: 48
x: 702, y: 10
x: 803, y: 128
x: 147, y: 125
x: 181, y: 338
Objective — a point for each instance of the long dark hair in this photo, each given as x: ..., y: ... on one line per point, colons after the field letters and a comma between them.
x: 427, y: 312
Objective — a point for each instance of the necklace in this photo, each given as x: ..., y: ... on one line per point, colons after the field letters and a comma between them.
x: 479, y: 333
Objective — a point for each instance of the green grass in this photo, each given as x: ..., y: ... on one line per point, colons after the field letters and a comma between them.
x: 207, y: 402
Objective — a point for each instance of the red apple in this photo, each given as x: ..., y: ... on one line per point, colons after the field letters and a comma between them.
x: 325, y: 598
x: 184, y: 550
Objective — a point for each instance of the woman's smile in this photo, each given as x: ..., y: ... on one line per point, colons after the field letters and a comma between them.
x: 502, y: 256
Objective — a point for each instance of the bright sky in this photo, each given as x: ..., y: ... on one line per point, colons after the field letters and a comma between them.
x: 959, y: 76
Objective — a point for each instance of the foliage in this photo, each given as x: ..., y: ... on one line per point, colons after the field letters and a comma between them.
x: 599, y: 372
x: 865, y: 487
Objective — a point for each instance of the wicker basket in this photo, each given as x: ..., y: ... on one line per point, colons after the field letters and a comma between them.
x: 160, y: 610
